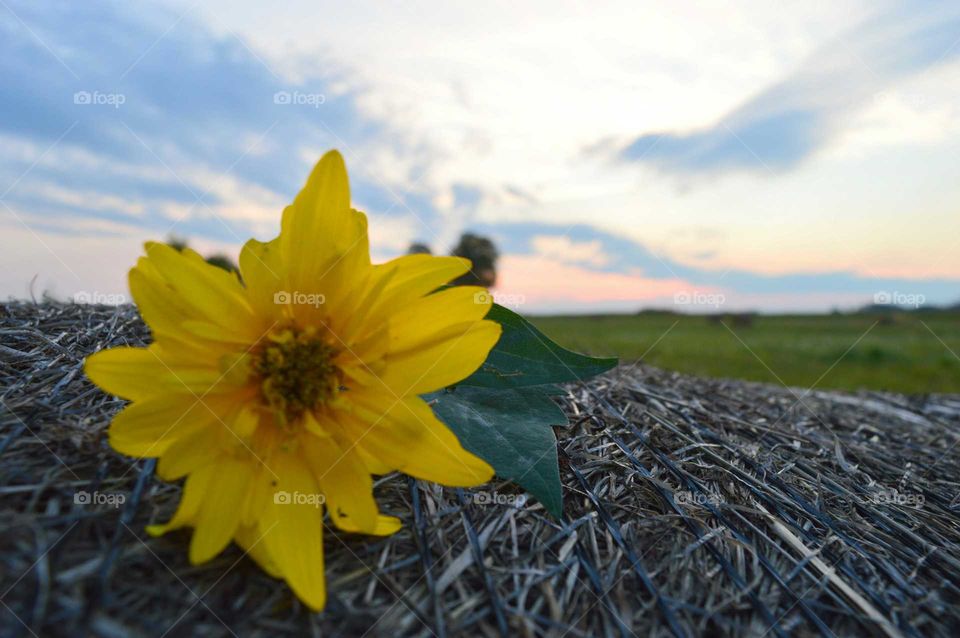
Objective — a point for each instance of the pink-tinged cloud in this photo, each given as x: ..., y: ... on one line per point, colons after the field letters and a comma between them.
x: 545, y: 281
x: 541, y: 284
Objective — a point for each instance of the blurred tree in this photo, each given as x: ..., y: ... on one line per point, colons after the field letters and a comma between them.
x: 223, y: 261
x: 483, y: 254
x: 419, y: 248
x: 179, y: 243
x: 219, y: 260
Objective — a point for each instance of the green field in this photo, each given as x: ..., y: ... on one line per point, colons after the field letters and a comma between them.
x: 903, y: 352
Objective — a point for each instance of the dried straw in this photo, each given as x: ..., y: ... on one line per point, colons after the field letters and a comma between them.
x: 692, y: 506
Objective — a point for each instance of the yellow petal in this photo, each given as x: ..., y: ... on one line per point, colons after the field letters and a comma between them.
x: 246, y: 421
x: 351, y: 262
x: 418, y: 321
x: 406, y: 435
x: 136, y: 373
x: 194, y: 491
x: 374, y: 465
x: 147, y: 428
x: 262, y: 268
x: 293, y: 533
x: 341, y: 281
x: 438, y: 359
x: 130, y: 373
x: 209, y: 332
x: 160, y: 307
x: 413, y: 276
x: 319, y: 229
x: 172, y: 288
x: 418, y: 275
x: 219, y: 514
x: 250, y: 539
x: 189, y: 453
x: 352, y: 288
x: 259, y: 496
x: 345, y: 480
x: 398, y: 288
x: 386, y: 525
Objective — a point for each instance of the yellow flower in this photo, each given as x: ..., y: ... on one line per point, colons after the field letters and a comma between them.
x: 290, y: 389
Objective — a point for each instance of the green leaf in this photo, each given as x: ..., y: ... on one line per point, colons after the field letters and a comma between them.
x: 503, y: 412
x: 524, y: 356
x: 510, y: 429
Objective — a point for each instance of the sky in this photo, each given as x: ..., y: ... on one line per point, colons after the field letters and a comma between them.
x: 693, y: 156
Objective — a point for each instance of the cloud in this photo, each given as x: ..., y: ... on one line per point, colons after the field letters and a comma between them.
x: 561, y: 248
x: 466, y: 197
x: 789, y: 121
x: 547, y: 283
x: 102, y: 106
x: 631, y: 270
x: 120, y: 124
x: 516, y: 193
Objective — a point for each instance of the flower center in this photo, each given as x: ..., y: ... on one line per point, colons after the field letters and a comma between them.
x: 297, y: 372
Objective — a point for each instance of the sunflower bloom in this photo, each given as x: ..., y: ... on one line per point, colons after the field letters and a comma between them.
x: 279, y: 394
